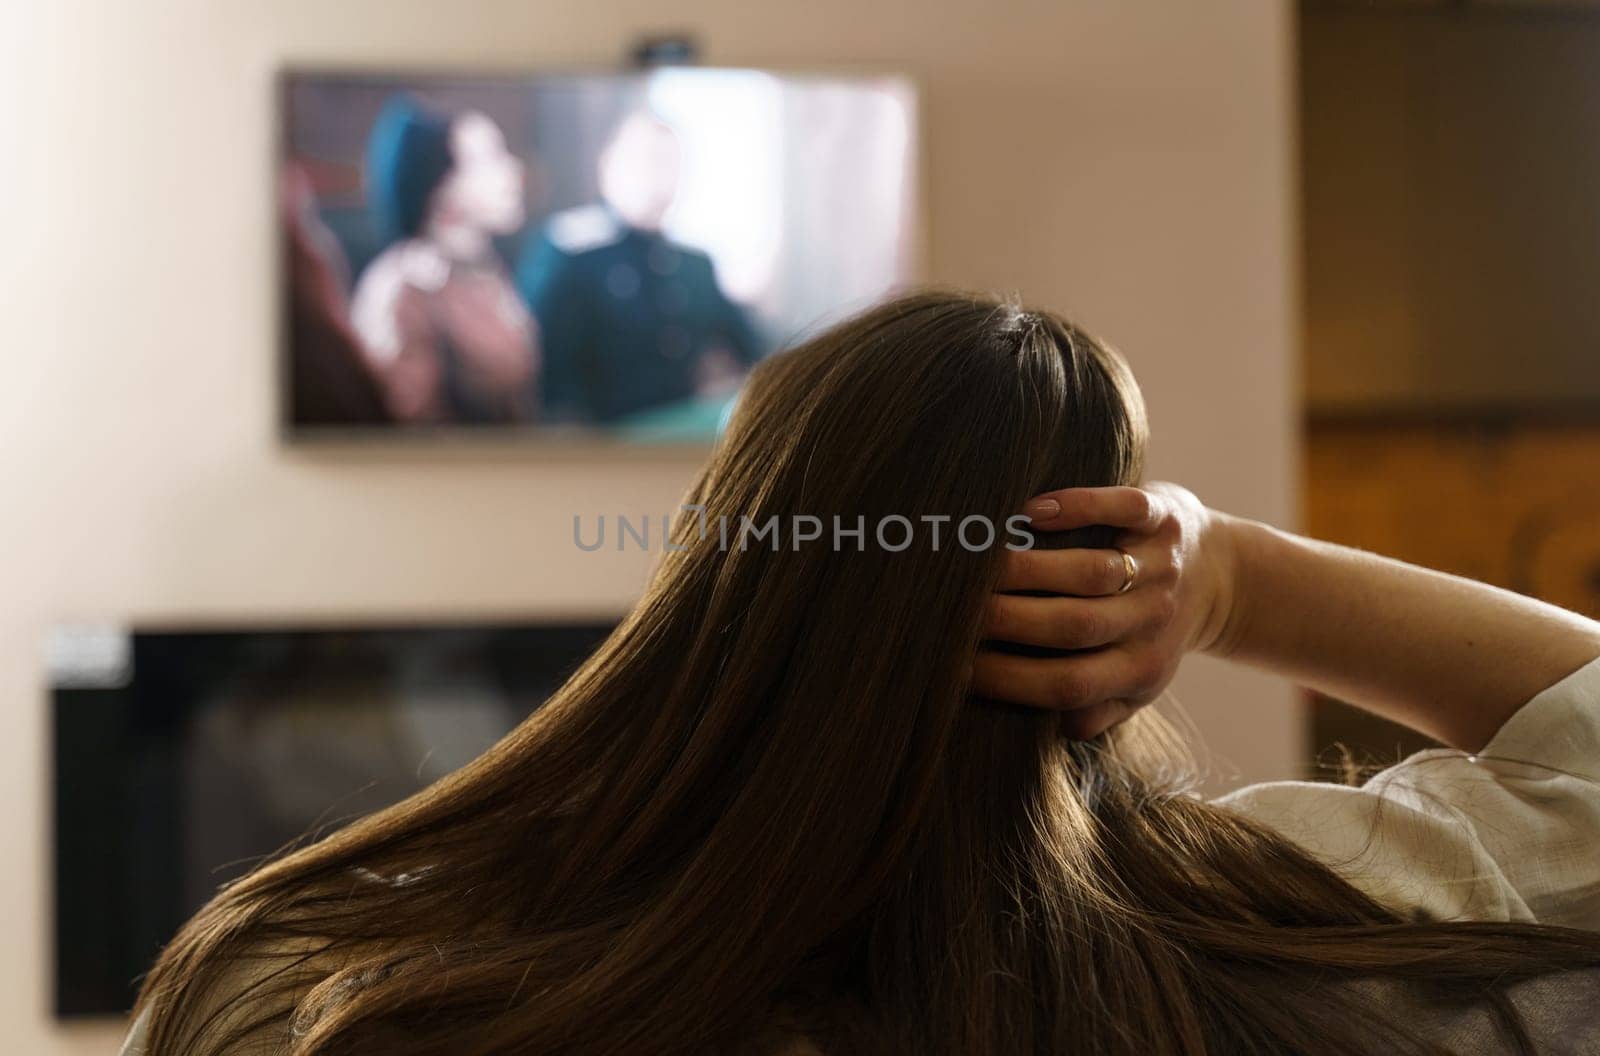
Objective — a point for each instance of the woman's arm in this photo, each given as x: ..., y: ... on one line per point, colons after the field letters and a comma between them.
x: 1445, y: 655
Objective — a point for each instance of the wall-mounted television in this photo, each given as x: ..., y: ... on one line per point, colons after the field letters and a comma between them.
x: 182, y: 757
x: 582, y: 256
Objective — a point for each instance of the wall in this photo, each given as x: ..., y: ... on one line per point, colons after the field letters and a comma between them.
x: 1452, y: 223
x: 1127, y: 161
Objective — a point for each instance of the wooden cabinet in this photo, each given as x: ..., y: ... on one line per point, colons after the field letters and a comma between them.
x: 1510, y: 503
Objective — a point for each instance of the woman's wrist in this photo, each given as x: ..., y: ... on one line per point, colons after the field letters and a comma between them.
x: 1228, y: 545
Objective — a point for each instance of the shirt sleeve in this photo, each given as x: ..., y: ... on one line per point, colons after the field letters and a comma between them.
x: 1512, y: 833
x: 138, y: 1035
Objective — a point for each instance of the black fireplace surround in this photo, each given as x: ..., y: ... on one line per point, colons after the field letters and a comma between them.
x: 191, y: 754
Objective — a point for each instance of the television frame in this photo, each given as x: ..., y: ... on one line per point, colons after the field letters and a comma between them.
x: 527, y: 441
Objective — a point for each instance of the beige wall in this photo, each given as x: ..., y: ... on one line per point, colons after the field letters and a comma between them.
x: 1127, y: 161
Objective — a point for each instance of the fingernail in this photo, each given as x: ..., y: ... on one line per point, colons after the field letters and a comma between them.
x: 1042, y: 509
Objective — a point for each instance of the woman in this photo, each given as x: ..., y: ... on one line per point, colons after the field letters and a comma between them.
x: 329, y: 379
x: 442, y: 324
x: 771, y: 815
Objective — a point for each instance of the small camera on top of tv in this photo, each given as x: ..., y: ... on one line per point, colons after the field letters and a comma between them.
x: 666, y: 50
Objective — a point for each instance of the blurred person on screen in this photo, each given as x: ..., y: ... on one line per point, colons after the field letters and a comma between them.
x: 329, y: 380
x: 630, y: 319
x: 437, y: 312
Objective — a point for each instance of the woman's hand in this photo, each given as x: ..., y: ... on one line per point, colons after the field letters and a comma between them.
x: 1133, y: 640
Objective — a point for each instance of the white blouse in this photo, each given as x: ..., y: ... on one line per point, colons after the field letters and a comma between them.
x: 1512, y: 833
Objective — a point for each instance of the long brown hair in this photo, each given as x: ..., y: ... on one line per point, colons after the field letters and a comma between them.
x: 767, y: 809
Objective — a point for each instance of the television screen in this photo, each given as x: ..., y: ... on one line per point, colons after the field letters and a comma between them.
x: 590, y: 256
x: 183, y: 758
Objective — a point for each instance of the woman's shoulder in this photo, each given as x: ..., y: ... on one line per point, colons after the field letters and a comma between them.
x: 1560, y: 1011
x: 1506, y: 834
x: 137, y: 1041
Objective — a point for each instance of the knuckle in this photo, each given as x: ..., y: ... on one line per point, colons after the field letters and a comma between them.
x: 1083, y: 625
x: 1143, y: 504
x: 1069, y: 690
x: 1149, y: 674
x: 1027, y: 565
x: 1164, y: 608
